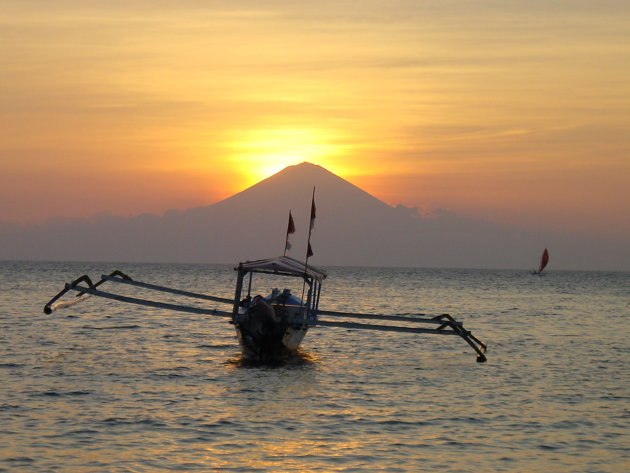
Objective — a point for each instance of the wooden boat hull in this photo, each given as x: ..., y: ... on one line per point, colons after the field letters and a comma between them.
x: 272, y: 343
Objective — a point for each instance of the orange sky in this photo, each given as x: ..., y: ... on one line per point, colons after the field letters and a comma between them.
x: 515, y: 112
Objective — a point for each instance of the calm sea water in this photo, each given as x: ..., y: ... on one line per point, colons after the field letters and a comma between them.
x: 109, y: 387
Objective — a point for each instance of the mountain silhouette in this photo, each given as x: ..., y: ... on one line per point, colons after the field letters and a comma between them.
x: 352, y: 228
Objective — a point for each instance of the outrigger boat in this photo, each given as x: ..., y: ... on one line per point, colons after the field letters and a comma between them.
x: 272, y: 326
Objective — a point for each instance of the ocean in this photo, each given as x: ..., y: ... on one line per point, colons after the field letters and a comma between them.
x: 109, y: 387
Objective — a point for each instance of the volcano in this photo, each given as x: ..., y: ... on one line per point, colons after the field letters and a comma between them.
x: 353, y: 228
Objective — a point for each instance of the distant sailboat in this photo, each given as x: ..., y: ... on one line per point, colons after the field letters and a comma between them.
x: 544, y: 260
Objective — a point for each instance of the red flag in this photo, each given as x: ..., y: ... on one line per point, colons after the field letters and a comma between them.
x: 309, y: 250
x: 290, y: 230
x: 313, y: 212
x: 291, y: 227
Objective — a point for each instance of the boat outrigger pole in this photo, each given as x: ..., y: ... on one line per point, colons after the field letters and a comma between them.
x: 85, y: 287
x: 443, y: 324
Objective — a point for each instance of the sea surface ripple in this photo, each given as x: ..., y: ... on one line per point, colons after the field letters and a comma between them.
x: 109, y: 387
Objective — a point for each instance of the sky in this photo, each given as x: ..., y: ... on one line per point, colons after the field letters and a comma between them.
x: 510, y: 111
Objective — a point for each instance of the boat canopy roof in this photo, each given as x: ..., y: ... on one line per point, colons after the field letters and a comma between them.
x: 283, y: 265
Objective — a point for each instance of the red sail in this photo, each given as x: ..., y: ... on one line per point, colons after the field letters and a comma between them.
x: 544, y: 260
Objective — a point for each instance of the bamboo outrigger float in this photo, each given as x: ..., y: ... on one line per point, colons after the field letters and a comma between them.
x: 272, y: 326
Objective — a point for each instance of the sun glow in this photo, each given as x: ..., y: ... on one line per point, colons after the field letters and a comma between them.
x: 262, y: 153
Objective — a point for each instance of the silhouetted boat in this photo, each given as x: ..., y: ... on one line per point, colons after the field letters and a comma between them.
x: 544, y: 260
x: 273, y: 326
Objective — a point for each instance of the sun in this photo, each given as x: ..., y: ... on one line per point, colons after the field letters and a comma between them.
x: 262, y: 153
